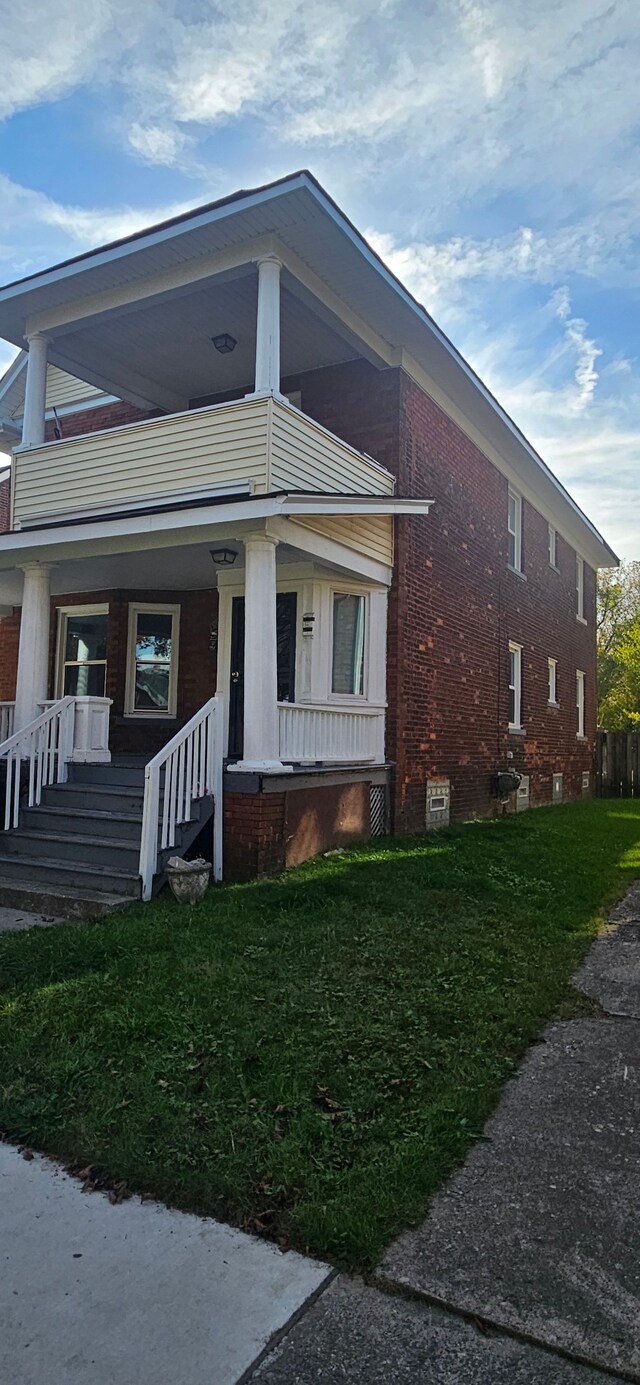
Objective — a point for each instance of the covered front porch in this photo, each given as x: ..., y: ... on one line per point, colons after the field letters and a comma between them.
x: 282, y: 614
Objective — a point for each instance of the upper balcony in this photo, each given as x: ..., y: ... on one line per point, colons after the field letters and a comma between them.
x: 253, y: 446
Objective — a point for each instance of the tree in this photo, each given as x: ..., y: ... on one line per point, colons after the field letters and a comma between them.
x: 619, y: 647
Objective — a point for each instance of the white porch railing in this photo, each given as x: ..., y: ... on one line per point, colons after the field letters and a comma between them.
x: 6, y: 720
x: 188, y: 768
x: 331, y: 733
x: 40, y: 753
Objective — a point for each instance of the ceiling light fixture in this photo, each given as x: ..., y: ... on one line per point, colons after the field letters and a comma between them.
x: 223, y: 557
x: 225, y: 343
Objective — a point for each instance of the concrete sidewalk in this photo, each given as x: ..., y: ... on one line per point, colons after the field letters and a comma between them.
x: 535, y: 1241
x: 95, y: 1294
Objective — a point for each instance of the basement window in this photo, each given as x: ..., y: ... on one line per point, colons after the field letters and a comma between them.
x: 152, y: 661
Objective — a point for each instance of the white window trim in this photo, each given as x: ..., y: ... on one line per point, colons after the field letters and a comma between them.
x: 137, y: 608
x: 517, y: 686
x: 348, y: 699
x: 553, y: 547
x: 580, y: 590
x: 516, y: 566
x: 580, y: 695
x: 552, y: 664
x: 93, y: 609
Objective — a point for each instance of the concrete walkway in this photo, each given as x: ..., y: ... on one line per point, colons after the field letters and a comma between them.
x: 16, y: 920
x: 136, y: 1294
x: 526, y: 1272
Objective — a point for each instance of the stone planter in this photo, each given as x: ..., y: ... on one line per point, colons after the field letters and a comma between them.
x: 188, y: 879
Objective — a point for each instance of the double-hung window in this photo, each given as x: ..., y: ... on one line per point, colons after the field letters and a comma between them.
x: 515, y: 686
x: 152, y: 660
x: 580, y: 588
x: 514, y: 526
x: 82, y: 651
x: 553, y: 682
x: 579, y: 704
x: 347, y: 667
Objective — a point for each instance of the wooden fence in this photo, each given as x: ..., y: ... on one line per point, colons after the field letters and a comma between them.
x: 618, y: 764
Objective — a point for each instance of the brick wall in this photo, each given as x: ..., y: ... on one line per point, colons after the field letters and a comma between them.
x: 454, y: 607
x: 92, y: 420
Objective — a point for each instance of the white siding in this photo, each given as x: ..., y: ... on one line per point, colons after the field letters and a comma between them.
x: 160, y: 457
x: 63, y: 389
x: 258, y: 440
x: 368, y: 534
x: 304, y: 456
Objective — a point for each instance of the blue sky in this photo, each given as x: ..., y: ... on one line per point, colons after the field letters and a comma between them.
x: 489, y: 150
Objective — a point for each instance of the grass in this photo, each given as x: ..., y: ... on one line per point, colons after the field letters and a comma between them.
x: 309, y: 1057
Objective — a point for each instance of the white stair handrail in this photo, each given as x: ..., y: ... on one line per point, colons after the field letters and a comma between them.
x: 192, y: 763
x: 43, y: 749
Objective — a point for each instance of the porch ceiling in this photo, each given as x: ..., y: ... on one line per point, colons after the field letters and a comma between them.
x: 159, y: 352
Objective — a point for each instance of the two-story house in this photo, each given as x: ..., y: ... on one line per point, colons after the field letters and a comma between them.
x: 272, y: 552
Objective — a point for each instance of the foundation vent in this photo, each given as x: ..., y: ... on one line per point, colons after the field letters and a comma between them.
x: 378, y: 809
x: 522, y: 796
x: 438, y: 803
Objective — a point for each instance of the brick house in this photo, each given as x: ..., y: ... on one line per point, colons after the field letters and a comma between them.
x: 272, y: 553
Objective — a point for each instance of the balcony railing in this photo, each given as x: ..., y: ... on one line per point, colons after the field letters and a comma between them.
x: 254, y: 445
x: 332, y: 734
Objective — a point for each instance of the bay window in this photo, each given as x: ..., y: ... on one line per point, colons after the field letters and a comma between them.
x: 82, y: 651
x: 347, y: 667
x: 152, y: 660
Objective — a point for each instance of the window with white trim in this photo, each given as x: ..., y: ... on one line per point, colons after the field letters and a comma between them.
x: 347, y: 664
x: 514, y: 526
x: 82, y: 651
x: 580, y: 588
x: 553, y: 547
x: 553, y: 681
x: 515, y: 686
x: 580, y: 703
x: 152, y: 660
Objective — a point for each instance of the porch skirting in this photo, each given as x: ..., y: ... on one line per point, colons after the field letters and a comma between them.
x: 275, y: 821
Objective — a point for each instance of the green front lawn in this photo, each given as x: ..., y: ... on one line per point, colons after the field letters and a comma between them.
x: 309, y: 1057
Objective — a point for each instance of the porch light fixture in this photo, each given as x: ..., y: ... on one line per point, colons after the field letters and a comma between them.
x: 225, y: 343
x: 223, y: 557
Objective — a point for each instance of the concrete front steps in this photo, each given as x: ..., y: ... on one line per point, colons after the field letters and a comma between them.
x: 77, y: 853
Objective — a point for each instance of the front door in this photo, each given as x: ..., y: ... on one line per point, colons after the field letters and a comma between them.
x: 286, y: 620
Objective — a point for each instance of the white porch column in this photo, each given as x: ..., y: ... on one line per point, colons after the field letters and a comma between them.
x: 268, y: 326
x: 33, y: 650
x: 35, y: 392
x: 261, y: 725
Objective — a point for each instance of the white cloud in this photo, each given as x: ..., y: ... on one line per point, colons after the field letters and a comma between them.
x: 38, y: 229
x: 156, y: 145
x: 48, y: 50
